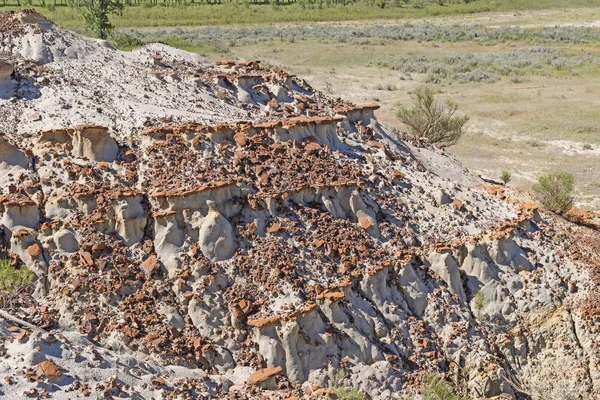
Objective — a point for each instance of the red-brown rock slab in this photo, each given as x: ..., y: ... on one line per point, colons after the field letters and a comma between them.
x: 49, y: 369
x: 151, y: 265
x: 34, y: 250
x: 365, y: 222
x: 262, y: 375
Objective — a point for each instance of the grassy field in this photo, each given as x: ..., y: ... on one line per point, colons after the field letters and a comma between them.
x: 243, y: 12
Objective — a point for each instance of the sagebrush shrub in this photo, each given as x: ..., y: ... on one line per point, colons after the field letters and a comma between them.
x: 433, y: 119
x: 554, y: 191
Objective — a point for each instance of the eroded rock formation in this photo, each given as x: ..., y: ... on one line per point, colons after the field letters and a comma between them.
x: 261, y: 256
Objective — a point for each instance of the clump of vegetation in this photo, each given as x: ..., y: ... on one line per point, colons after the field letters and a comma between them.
x: 95, y: 14
x: 588, y: 146
x: 11, y: 276
x: 389, y: 87
x: 344, y: 392
x: 348, y: 394
x: 554, y: 191
x: 505, y: 177
x: 479, y: 300
x: 436, y: 389
x: 433, y: 119
x: 487, y: 67
x: 13, y: 282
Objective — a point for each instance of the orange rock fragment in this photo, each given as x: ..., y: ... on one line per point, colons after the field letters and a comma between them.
x: 150, y: 265
x: 312, y: 147
x: 34, y: 250
x: 49, y: 368
x: 159, y: 381
x: 458, y: 204
x: 365, y: 222
x: 274, y: 228
x: 262, y: 375
x: 87, y: 258
x: 240, y: 138
x: 334, y: 296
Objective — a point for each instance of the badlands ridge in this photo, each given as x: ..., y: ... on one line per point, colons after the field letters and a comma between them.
x: 226, y: 231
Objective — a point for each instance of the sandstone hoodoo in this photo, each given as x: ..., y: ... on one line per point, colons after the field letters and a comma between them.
x: 202, y: 230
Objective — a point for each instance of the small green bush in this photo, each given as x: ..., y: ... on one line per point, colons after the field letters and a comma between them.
x: 11, y: 277
x: 588, y: 146
x: 479, y: 300
x: 554, y: 191
x: 505, y: 177
x: 433, y: 119
x: 436, y: 389
x: 13, y: 282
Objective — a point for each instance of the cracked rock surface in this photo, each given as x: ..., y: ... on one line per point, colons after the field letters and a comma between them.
x: 226, y: 231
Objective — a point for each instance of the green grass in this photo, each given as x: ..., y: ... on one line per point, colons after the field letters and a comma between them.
x: 236, y: 13
x: 505, y: 177
x: 480, y: 296
x: 11, y: 277
x: 348, y: 394
x: 436, y: 389
x: 343, y: 392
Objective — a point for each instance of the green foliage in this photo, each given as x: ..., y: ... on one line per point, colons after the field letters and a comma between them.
x: 11, y: 277
x: 554, y: 191
x: 479, y: 299
x: 588, y: 146
x: 348, y: 394
x: 13, y: 283
x: 95, y: 15
x: 505, y: 177
x: 433, y: 119
x: 437, y: 389
x: 186, y: 13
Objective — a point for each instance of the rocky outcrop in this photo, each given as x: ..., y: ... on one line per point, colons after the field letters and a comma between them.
x: 216, y: 236
x: 94, y: 143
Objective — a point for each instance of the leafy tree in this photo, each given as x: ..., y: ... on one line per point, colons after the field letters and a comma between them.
x: 95, y: 14
x: 554, y: 191
x: 433, y: 119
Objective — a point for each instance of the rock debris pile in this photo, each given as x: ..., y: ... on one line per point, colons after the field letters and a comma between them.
x: 202, y: 231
